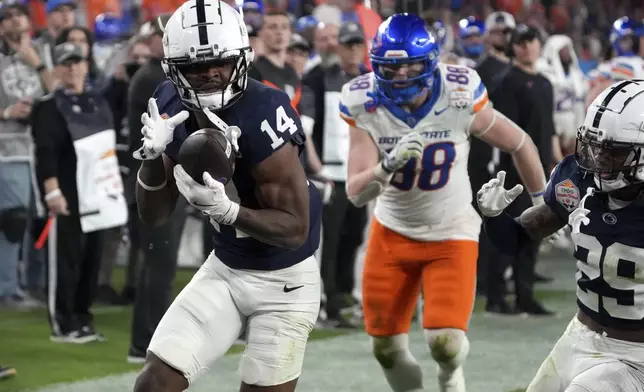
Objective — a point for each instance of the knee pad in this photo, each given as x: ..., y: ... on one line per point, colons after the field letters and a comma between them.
x: 389, y: 349
x: 448, y: 346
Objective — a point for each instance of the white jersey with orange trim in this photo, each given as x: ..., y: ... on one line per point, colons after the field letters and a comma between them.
x: 428, y: 200
x: 627, y: 67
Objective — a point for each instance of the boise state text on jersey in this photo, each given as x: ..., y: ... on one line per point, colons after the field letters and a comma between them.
x: 268, y: 122
x: 609, y: 250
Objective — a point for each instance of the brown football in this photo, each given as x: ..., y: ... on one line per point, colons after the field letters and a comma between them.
x: 208, y: 150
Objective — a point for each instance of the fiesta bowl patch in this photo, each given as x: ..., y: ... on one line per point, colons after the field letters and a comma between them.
x: 567, y: 194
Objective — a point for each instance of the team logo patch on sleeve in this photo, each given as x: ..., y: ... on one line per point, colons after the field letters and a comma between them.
x: 567, y: 194
x: 460, y: 98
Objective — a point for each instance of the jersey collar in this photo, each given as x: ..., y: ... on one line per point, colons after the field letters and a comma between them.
x: 413, y: 118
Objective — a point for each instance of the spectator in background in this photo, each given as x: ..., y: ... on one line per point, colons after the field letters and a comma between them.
x: 325, y: 42
x: 78, y: 174
x: 271, y: 68
x: 255, y: 42
x: 492, y: 68
x: 343, y: 223
x: 525, y: 97
x: 560, y: 65
x: 24, y: 79
x: 61, y: 14
x: 84, y: 38
x: 297, y: 54
x: 116, y: 94
x: 160, y: 244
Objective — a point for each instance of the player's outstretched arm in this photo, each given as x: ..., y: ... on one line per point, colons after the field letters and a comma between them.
x: 500, y: 132
x: 156, y: 191
x: 282, y: 191
x: 508, y: 233
x: 366, y: 178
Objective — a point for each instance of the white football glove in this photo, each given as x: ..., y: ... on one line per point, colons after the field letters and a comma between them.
x: 409, y: 146
x: 210, y: 199
x: 157, y: 131
x: 232, y: 133
x: 493, y: 198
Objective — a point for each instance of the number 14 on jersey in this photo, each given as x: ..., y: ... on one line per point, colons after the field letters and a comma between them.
x: 433, y: 173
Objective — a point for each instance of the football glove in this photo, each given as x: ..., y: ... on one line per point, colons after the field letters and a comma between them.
x: 493, y: 198
x: 210, y: 199
x: 157, y: 131
x: 409, y: 146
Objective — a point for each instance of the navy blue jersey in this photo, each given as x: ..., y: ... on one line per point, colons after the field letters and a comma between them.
x: 609, y: 250
x: 268, y: 122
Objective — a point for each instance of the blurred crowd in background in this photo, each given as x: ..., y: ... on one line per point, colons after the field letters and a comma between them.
x: 307, y: 48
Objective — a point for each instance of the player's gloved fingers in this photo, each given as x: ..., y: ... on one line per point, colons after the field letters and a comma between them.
x: 181, y: 175
x: 211, y: 182
x: 493, y: 183
x: 514, y: 192
x: 178, y: 118
x: 153, y: 109
x: 145, y: 119
x: 500, y: 177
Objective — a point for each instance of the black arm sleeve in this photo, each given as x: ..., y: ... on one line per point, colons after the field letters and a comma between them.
x: 505, y: 233
x: 47, y: 128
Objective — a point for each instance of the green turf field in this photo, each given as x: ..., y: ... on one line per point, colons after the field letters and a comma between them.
x: 505, y: 351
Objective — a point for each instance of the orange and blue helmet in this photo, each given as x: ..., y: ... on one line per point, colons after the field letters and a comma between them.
x: 404, y: 39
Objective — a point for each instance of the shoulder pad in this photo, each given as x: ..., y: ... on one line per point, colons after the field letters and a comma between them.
x: 463, y: 87
x: 355, y: 97
x: 565, y: 187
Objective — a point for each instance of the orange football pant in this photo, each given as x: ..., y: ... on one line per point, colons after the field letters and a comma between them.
x: 395, y: 269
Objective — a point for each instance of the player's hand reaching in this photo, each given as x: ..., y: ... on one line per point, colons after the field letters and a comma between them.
x: 232, y: 133
x: 409, y: 146
x: 210, y: 199
x: 157, y: 131
x: 493, y: 198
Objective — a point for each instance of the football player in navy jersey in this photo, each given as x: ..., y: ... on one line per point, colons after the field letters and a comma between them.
x: 261, y: 279
x: 599, y: 193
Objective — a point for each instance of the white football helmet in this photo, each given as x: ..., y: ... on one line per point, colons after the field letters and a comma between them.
x: 203, y: 32
x: 610, y: 143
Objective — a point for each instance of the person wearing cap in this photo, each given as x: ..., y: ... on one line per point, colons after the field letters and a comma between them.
x: 297, y: 54
x: 526, y: 97
x: 80, y: 183
x: 61, y: 14
x: 271, y: 68
x: 23, y: 81
x: 159, y: 263
x: 492, y: 68
x: 342, y: 222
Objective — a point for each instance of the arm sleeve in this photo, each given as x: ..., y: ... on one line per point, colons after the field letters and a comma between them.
x: 46, y: 127
x: 505, y: 233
